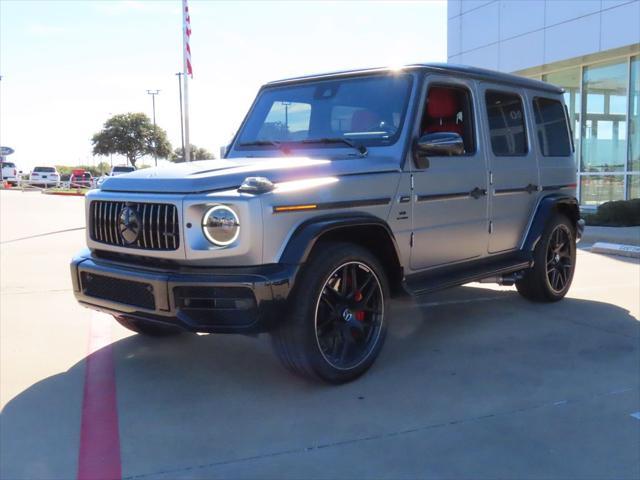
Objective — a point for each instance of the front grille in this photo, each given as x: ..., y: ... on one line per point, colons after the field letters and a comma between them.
x: 119, y: 290
x: 158, y: 224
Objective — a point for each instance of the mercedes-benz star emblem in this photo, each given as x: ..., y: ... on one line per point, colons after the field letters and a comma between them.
x: 129, y: 225
x: 347, y: 315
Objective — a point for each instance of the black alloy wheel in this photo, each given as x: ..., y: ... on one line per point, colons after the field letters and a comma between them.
x: 559, y: 262
x: 349, y: 315
x: 554, y: 262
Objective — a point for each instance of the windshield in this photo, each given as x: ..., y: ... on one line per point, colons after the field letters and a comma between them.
x: 123, y: 169
x: 44, y: 169
x: 8, y: 165
x: 367, y: 110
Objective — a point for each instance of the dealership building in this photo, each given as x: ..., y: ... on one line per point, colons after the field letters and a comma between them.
x: 591, y: 48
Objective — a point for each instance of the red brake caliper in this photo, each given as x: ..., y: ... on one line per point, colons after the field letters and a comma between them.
x: 358, y: 313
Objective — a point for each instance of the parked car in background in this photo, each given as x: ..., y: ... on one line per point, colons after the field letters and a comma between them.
x: 10, y: 173
x: 81, y: 178
x: 121, y: 169
x: 115, y: 171
x: 44, y: 176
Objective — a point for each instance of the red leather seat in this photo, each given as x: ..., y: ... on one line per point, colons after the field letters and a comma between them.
x: 442, y: 108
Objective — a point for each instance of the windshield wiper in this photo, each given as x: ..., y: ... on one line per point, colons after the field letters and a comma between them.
x: 261, y: 143
x: 362, y: 150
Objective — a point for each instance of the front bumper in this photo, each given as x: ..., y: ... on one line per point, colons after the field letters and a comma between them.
x: 580, y: 229
x: 216, y: 300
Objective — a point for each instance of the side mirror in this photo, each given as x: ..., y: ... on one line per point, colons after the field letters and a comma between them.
x: 437, y: 144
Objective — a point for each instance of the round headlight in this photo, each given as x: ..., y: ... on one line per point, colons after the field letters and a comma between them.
x: 220, y: 225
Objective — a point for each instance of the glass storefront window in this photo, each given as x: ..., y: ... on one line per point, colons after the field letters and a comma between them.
x: 633, y: 186
x: 569, y: 80
x: 596, y: 189
x: 604, y: 145
x: 605, y: 116
x: 634, y: 118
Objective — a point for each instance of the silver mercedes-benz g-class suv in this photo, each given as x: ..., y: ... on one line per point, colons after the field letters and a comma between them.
x: 338, y: 192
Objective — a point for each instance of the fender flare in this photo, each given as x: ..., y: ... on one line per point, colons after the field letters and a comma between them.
x: 305, y: 236
x: 549, y: 203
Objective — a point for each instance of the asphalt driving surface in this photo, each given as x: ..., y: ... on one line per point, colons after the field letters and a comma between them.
x: 473, y: 382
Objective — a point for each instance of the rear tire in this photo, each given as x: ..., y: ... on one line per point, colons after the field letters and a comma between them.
x: 336, y: 325
x: 554, y: 263
x: 148, y: 329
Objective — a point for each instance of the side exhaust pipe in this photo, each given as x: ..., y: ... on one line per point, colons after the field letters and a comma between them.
x: 507, y: 280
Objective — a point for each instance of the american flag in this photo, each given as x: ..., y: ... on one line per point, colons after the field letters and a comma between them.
x: 187, y: 38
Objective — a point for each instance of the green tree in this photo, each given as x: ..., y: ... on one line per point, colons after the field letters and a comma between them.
x: 196, y: 154
x: 104, y: 167
x: 132, y: 135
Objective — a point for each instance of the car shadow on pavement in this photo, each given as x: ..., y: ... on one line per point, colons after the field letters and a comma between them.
x: 203, y: 400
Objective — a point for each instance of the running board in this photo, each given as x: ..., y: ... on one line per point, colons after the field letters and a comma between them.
x: 446, y: 277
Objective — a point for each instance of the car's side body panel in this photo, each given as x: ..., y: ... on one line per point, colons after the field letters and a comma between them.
x: 292, y: 204
x: 548, y: 205
x: 513, y: 177
x: 306, y: 236
x: 449, y: 221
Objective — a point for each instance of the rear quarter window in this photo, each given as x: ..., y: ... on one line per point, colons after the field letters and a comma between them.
x: 505, y: 113
x: 551, y: 127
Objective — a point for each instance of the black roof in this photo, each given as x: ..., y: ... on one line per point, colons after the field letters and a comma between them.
x: 449, y: 68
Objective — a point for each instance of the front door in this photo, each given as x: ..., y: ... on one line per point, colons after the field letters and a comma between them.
x: 450, y: 222
x: 512, y: 164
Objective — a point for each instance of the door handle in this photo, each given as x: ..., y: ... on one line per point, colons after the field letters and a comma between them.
x: 477, y: 192
x: 531, y: 188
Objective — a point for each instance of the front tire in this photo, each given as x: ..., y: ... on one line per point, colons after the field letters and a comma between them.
x: 336, y: 325
x: 554, y: 263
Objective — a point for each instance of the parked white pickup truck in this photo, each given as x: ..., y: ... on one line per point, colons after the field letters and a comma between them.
x: 10, y: 173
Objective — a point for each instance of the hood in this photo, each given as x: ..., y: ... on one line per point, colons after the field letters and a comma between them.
x: 210, y: 175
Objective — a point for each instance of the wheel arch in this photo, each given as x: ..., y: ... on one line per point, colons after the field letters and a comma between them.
x: 554, y: 203
x: 362, y: 229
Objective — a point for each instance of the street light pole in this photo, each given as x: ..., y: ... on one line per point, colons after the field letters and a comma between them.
x: 179, y: 74
x: 153, y: 94
x: 286, y: 114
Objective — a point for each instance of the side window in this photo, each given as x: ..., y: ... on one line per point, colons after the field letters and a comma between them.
x: 551, y: 125
x: 506, y: 124
x: 448, y: 109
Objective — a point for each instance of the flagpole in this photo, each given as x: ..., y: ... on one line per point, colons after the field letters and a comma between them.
x: 185, y: 52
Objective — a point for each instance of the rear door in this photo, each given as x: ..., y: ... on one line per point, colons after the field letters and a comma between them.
x: 554, y: 142
x: 449, y: 196
x: 513, y: 169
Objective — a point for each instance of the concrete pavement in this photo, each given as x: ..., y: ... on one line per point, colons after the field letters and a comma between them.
x: 473, y: 382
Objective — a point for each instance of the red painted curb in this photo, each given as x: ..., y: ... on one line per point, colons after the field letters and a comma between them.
x: 99, y: 456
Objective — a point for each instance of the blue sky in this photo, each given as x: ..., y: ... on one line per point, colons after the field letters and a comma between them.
x: 67, y: 65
